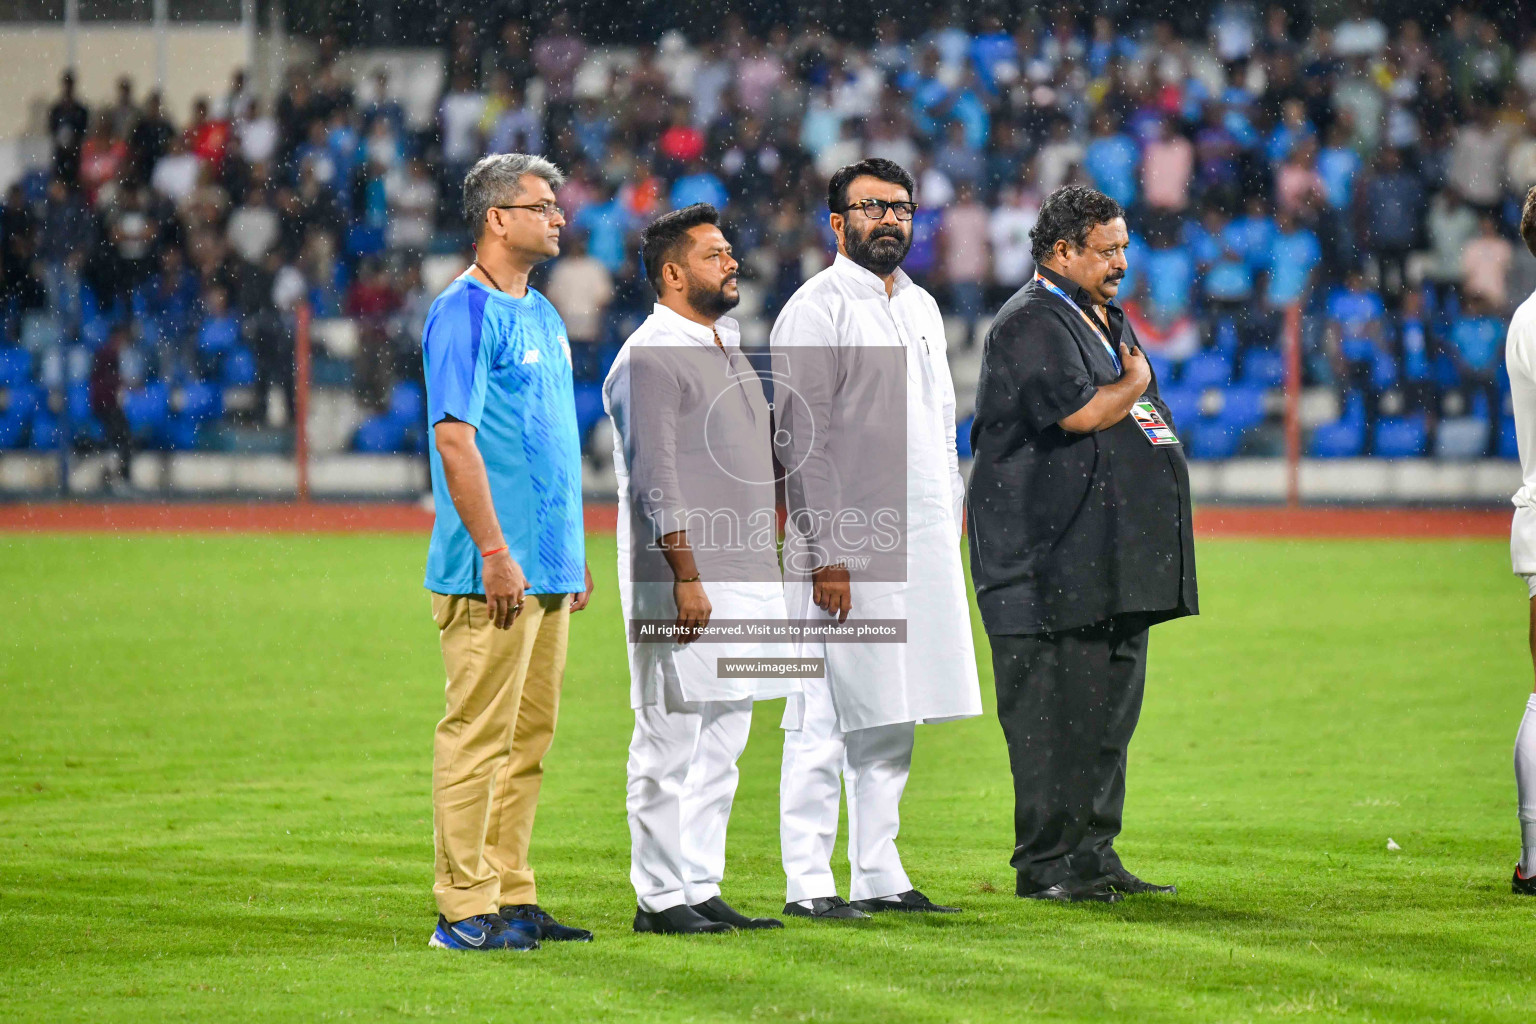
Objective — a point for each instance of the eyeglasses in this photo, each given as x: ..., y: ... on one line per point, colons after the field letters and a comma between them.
x: 875, y: 209
x: 544, y: 210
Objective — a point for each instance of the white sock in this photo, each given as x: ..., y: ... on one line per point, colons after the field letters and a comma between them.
x: 1525, y: 787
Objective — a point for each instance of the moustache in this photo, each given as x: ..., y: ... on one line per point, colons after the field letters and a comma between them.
x: 1115, y: 277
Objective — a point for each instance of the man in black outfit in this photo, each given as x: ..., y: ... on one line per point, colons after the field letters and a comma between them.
x: 1080, y: 540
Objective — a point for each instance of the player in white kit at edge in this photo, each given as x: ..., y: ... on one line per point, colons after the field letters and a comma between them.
x: 1520, y: 358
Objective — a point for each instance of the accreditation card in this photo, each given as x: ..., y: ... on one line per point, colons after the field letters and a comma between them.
x: 1152, y: 423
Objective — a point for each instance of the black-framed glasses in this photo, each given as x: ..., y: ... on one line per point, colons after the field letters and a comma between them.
x: 875, y: 209
x: 545, y: 210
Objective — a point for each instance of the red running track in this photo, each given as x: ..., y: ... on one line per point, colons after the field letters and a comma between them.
x: 321, y: 517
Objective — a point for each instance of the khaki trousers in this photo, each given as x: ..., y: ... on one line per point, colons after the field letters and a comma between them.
x: 488, y: 755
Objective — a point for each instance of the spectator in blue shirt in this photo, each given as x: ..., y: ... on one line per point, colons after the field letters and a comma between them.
x: 960, y: 162
x: 1337, y: 165
x: 1170, y: 278
x: 994, y: 53
x: 1252, y: 234
x: 1476, y: 348
x: 1293, y: 127
x: 1356, y: 341
x: 1111, y: 160
x: 1227, y: 283
x: 219, y: 334
x: 606, y: 225
x: 1415, y: 350
x: 1389, y: 210
x: 699, y: 185
x: 1293, y: 257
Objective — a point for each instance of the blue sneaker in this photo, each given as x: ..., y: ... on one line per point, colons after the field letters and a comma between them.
x: 484, y: 931
x: 530, y: 918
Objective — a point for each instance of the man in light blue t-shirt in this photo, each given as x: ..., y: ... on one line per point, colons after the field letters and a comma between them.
x: 507, y: 561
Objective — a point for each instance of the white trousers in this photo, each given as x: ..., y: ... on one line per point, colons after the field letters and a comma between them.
x: 874, y: 764
x: 682, y: 780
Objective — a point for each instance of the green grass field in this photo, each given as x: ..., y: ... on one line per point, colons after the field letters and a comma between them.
x: 214, y: 805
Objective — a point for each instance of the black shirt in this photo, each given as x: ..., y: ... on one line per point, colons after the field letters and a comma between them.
x: 1070, y: 529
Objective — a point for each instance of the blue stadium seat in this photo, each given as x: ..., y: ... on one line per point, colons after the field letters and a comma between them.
x: 148, y: 407
x: 364, y: 239
x: 1344, y: 438
x: 13, y: 431
x: 21, y: 400
x: 1163, y: 368
x: 45, y: 431
x: 201, y: 401
x: 1220, y: 435
x: 83, y: 425
x: 238, y: 369
x: 15, y: 366
x: 378, y: 434
x: 1226, y: 336
x: 178, y: 434
x: 1184, y: 403
x: 1208, y: 369
x: 151, y: 330
x: 408, y: 403
x: 1401, y: 437
x: 1243, y: 406
x: 1263, y: 367
x: 79, y: 398
x: 1212, y: 439
x: 94, y: 331
x: 963, y: 436
x: 1445, y: 373
x: 589, y: 408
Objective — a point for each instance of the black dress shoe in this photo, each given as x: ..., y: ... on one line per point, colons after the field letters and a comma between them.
x: 1522, y: 886
x: 911, y: 901
x: 826, y: 908
x: 1123, y: 881
x: 1090, y: 892
x: 679, y: 920
x: 716, y: 909
x: 549, y: 929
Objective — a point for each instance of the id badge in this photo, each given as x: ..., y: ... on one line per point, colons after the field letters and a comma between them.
x: 1152, y: 424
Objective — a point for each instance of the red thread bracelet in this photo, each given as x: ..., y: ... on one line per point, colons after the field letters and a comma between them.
x: 493, y: 551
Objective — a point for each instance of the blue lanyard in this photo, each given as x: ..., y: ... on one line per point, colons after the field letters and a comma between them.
x: 1115, y: 356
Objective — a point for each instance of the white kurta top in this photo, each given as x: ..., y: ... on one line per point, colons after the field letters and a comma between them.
x: 1520, y: 360
x: 711, y: 395
x: 932, y: 676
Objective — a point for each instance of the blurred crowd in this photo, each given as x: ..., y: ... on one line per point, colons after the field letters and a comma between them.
x: 1367, y: 172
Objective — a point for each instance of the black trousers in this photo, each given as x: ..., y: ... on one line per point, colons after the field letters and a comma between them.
x: 1068, y: 703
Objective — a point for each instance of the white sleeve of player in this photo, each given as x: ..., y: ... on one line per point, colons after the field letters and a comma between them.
x: 1520, y: 360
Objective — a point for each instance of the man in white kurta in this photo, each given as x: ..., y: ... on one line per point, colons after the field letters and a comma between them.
x: 697, y: 533
x: 1520, y: 360
x: 833, y: 349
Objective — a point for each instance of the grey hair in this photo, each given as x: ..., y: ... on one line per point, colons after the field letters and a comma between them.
x: 498, y: 178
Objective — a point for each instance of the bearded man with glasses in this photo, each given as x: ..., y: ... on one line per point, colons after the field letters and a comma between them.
x: 865, y: 427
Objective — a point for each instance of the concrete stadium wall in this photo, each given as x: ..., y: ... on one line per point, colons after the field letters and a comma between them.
x: 199, y: 59
x: 198, y: 474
